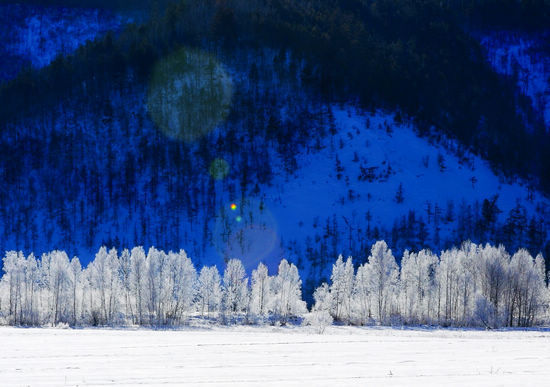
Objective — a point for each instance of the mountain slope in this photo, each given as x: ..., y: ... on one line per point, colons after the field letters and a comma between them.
x: 310, y: 178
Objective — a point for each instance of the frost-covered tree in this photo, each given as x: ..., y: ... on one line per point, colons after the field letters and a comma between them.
x: 75, y: 277
x: 105, y: 284
x: 416, y: 282
x: 341, y: 289
x: 156, y: 286
x: 318, y: 319
x: 261, y: 295
x: 137, y: 281
x: 30, y: 307
x: 209, y: 290
x: 468, y: 286
x: 447, y: 286
x: 235, y: 287
x: 527, y: 290
x: 382, y: 275
x: 14, y: 277
x: 182, y: 284
x: 55, y: 268
x: 287, y: 292
x: 362, y: 296
x: 125, y: 275
x: 323, y: 298
x: 493, y: 283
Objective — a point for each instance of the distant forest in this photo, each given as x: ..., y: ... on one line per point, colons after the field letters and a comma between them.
x: 414, y: 56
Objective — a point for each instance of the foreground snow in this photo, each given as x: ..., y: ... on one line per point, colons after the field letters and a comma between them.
x: 273, y: 356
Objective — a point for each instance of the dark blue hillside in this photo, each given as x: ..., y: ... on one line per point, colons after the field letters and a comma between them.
x: 34, y: 36
x: 87, y: 175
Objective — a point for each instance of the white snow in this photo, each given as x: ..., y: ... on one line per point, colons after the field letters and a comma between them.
x: 273, y: 356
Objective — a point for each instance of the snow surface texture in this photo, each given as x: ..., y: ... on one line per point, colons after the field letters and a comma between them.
x: 273, y: 356
x: 521, y: 55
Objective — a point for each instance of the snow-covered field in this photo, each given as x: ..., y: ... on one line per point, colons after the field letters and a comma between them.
x: 273, y: 356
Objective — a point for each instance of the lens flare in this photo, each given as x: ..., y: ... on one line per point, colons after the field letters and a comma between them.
x: 189, y: 94
x: 251, y: 234
x: 219, y: 169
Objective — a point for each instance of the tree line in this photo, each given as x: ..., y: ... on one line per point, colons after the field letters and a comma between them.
x: 138, y: 288
x: 477, y: 222
x: 471, y: 286
x: 474, y: 285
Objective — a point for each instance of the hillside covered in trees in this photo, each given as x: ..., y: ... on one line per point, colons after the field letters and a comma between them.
x: 328, y: 124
